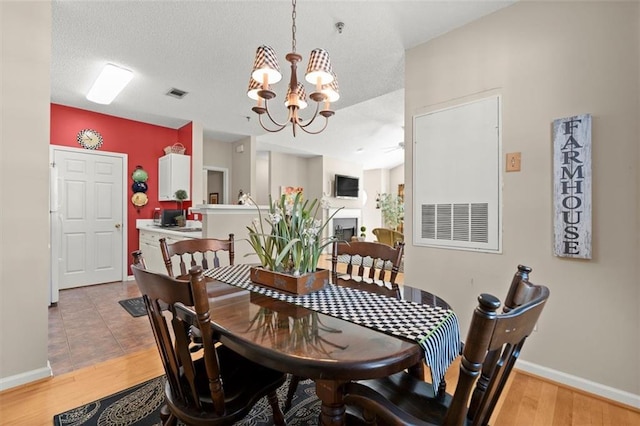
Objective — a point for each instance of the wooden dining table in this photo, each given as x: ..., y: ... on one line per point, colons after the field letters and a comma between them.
x: 309, y: 344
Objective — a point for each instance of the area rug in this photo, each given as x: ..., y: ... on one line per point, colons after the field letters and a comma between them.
x: 135, y: 306
x: 140, y: 405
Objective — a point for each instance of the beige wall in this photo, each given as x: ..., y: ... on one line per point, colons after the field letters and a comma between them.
x: 25, y: 31
x: 376, y: 181
x: 288, y: 170
x: 548, y: 61
x: 243, y: 173
x: 217, y: 154
x: 396, y: 177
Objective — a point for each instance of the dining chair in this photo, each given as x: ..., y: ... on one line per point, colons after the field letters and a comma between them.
x: 370, y: 266
x: 493, y: 344
x: 213, y: 386
x: 191, y: 252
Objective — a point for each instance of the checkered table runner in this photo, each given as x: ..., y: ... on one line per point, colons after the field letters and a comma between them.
x: 435, y: 329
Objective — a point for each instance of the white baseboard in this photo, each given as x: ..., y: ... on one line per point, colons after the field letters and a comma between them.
x: 26, y: 377
x: 623, y: 397
x: 130, y: 278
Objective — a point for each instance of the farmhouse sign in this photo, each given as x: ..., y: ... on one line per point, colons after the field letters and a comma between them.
x: 572, y: 186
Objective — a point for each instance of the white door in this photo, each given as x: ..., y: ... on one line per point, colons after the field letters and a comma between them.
x: 87, y: 220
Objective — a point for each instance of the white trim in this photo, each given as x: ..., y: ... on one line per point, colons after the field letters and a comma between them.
x: 26, y: 377
x: 585, y: 385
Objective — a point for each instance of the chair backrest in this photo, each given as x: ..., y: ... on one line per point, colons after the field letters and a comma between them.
x: 191, y: 252
x: 163, y: 293
x: 370, y: 266
x: 388, y: 236
x: 493, y: 344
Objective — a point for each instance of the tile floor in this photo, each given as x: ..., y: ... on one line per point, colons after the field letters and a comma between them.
x: 88, y: 326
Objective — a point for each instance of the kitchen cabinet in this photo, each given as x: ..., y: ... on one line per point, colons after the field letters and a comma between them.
x: 174, y: 172
x: 150, y: 247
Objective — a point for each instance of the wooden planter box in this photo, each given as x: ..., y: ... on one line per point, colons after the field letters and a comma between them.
x: 303, y: 284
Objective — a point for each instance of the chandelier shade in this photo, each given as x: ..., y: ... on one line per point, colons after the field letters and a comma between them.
x: 319, y: 69
x: 319, y: 72
x: 331, y: 90
x: 266, y: 64
x: 254, y: 88
x: 300, y: 95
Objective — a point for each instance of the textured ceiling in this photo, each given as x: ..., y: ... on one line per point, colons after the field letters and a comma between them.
x: 206, y: 48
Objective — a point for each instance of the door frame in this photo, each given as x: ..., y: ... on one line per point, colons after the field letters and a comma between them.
x: 54, y: 224
x: 225, y: 182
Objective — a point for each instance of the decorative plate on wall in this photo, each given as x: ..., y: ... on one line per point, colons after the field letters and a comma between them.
x: 139, y: 199
x: 139, y: 174
x: 139, y: 187
x: 89, y: 138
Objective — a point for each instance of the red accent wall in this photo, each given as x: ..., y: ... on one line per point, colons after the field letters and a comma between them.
x: 143, y: 143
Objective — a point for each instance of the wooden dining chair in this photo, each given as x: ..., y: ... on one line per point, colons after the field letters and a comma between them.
x: 370, y: 266
x: 492, y: 347
x: 214, y: 386
x: 203, y: 251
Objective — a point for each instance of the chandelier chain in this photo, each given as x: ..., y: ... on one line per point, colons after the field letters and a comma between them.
x: 293, y: 27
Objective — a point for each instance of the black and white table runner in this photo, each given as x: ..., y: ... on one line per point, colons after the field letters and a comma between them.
x: 435, y: 329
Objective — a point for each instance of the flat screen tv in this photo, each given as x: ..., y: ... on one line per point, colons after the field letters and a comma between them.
x: 346, y: 186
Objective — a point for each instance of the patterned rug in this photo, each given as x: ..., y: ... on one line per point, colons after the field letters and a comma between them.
x: 140, y: 406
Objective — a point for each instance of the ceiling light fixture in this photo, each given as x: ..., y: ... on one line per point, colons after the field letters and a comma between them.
x: 266, y: 71
x: 109, y: 84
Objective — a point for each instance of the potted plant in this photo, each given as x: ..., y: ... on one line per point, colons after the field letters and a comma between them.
x: 293, y: 245
x: 392, y: 207
x: 180, y: 195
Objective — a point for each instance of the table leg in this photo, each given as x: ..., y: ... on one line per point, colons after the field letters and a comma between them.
x: 332, y: 411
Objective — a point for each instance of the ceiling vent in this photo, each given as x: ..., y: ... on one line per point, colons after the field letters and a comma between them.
x: 176, y: 93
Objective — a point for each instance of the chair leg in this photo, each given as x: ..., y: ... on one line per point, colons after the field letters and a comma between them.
x: 278, y: 417
x: 293, y: 386
x: 167, y: 418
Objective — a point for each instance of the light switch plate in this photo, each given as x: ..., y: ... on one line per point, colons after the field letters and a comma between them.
x: 513, y: 162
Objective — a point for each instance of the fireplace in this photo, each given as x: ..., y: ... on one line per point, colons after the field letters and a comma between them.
x: 345, y: 228
x: 344, y: 223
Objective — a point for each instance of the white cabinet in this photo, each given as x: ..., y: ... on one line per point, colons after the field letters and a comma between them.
x: 150, y: 247
x: 174, y: 172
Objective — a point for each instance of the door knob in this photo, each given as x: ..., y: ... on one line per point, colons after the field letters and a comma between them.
x: 118, y: 226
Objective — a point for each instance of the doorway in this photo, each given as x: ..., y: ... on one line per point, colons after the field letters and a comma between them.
x: 215, y: 184
x: 88, y: 217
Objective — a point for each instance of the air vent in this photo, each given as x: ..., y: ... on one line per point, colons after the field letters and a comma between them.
x: 176, y: 93
x: 457, y: 222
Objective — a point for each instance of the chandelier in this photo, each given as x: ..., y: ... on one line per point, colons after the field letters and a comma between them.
x: 266, y: 72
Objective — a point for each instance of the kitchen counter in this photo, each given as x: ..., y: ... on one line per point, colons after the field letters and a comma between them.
x: 192, y: 230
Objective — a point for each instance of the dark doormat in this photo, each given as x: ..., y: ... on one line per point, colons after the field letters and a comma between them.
x: 140, y: 405
x: 135, y: 306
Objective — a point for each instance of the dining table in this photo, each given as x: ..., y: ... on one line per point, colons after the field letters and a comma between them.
x: 334, y: 335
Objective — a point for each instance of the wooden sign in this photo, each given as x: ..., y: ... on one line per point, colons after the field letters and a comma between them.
x: 572, y: 186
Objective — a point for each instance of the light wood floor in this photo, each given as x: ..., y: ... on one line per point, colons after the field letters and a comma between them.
x: 527, y: 400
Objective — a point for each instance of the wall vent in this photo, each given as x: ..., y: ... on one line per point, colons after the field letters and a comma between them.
x: 176, y: 93
x: 455, y: 222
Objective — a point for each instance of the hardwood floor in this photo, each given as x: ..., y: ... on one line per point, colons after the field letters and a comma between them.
x: 97, y: 348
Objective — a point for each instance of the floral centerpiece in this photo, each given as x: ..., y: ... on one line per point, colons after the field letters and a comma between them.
x: 295, y: 241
